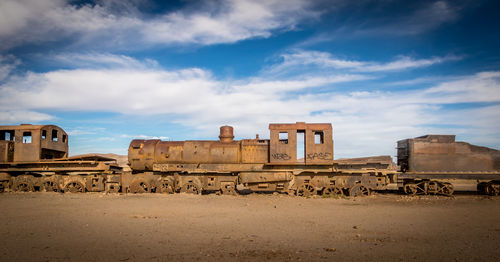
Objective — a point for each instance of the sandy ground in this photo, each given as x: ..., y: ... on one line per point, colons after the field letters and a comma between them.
x: 256, y: 227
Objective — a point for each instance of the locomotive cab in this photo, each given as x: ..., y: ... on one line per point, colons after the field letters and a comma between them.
x: 28, y: 143
x: 301, y: 143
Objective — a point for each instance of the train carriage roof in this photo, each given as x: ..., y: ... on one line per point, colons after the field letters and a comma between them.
x: 28, y: 126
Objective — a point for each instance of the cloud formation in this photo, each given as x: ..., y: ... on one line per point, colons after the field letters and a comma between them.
x: 364, y: 122
x: 326, y: 60
x: 108, y: 24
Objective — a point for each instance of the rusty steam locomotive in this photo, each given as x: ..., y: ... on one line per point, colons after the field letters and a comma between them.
x: 297, y: 159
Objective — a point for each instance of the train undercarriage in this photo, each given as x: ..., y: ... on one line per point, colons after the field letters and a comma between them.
x: 307, y: 184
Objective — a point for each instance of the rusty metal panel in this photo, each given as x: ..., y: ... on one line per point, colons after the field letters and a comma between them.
x: 141, y: 154
x: 27, y: 151
x: 283, y: 150
x: 435, y: 153
x: 264, y: 177
x: 319, y: 144
x: 169, y: 152
x: 6, y: 151
x: 254, y: 151
x: 224, y: 152
x: 196, y: 152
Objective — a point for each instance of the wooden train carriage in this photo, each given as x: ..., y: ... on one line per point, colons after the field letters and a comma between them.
x: 35, y: 158
x: 439, y: 164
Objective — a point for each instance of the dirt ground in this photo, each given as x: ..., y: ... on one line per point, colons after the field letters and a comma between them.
x: 256, y: 227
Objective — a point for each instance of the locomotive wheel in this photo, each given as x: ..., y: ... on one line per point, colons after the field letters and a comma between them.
x: 3, y: 186
x: 228, y: 189
x: 306, y: 190
x: 50, y: 186
x: 164, y: 187
x: 493, y: 189
x: 359, y: 190
x: 191, y: 188
x: 433, y: 187
x: 139, y: 187
x: 333, y: 191
x: 447, y: 189
x: 23, y: 187
x: 410, y: 189
x: 74, y: 187
x: 112, y: 188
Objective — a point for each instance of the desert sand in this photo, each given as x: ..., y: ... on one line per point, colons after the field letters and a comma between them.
x: 255, y: 227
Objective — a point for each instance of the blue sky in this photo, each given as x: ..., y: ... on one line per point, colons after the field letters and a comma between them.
x: 109, y: 71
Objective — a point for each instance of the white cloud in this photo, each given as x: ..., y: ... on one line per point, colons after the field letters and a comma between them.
x: 424, y: 18
x: 96, y: 60
x: 224, y: 21
x: 365, y: 123
x: 325, y: 60
x: 25, y: 116
x: 481, y: 87
x: 7, y: 64
x: 144, y: 137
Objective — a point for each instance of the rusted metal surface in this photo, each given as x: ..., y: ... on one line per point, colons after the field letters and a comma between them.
x: 28, y: 143
x: 431, y: 163
x: 318, y: 143
x: 440, y: 153
x: 34, y: 158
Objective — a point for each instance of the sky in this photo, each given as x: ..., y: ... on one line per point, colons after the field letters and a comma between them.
x: 110, y: 71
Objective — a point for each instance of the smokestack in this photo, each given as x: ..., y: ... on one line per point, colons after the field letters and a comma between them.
x: 226, y: 134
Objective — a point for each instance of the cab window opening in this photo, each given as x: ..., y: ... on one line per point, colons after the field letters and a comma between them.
x: 64, y: 138
x: 301, y: 145
x: 283, y: 137
x: 318, y: 137
x: 7, y: 135
x: 54, y: 135
x: 44, y: 134
x: 26, y: 137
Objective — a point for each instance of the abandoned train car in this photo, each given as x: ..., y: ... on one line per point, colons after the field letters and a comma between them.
x: 437, y: 164
x: 35, y: 158
x: 296, y: 159
x: 254, y: 164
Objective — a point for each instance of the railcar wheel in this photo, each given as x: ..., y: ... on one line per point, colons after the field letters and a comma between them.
x: 228, y: 189
x: 139, y: 187
x: 3, y: 186
x: 410, y: 189
x: 74, y: 187
x: 23, y: 187
x: 359, y: 190
x: 112, y: 188
x: 493, y: 189
x: 191, y: 188
x: 447, y: 189
x: 50, y: 186
x: 333, y: 191
x: 164, y: 187
x: 433, y: 187
x: 306, y: 190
